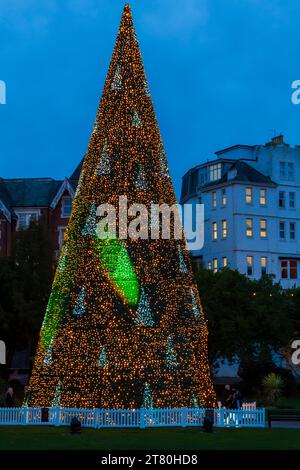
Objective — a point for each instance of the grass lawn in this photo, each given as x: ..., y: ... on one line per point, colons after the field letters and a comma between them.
x: 50, y: 438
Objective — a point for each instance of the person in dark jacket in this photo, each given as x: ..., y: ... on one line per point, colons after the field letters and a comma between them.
x: 10, y: 401
x: 227, y: 399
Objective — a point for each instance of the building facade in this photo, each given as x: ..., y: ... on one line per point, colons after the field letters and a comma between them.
x: 251, y: 197
x: 45, y: 200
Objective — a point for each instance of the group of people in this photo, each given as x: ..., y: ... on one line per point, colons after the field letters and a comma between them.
x: 232, y: 398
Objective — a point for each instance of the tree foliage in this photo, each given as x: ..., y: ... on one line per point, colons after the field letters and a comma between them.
x: 247, y: 318
x: 25, y: 282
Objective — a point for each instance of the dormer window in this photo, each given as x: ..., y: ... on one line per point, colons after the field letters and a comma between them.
x: 66, y: 207
x: 215, y: 172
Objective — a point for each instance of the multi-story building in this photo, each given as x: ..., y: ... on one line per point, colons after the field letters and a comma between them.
x: 251, y: 197
x: 43, y: 199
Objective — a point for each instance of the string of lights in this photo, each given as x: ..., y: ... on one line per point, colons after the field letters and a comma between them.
x: 124, y: 327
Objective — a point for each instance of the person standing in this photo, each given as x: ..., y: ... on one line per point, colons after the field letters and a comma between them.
x: 10, y: 401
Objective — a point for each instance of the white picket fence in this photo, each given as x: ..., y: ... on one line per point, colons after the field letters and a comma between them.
x: 131, y: 418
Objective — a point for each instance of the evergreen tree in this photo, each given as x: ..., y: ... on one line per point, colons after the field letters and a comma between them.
x: 132, y: 321
x: 144, y: 313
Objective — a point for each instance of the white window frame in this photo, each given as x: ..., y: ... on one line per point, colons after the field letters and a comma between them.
x: 249, y: 227
x: 224, y: 229
x: 263, y: 197
x: 263, y: 228
x: 249, y: 265
x: 28, y: 211
x: 61, y: 230
x: 249, y: 195
x: 62, y: 215
x: 224, y: 197
x: 214, y: 199
x: 215, y: 231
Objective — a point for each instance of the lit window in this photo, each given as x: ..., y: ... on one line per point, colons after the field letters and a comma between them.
x: 224, y: 197
x: 209, y: 265
x: 263, y: 264
x: 263, y: 228
x: 225, y: 262
x: 224, y: 228
x: 284, y: 269
x: 215, y: 263
x: 289, y: 269
x: 214, y: 172
x: 292, y: 200
x: 248, y: 193
x: 66, y: 206
x: 249, y: 265
x: 24, y: 219
x: 282, y: 170
x: 291, y: 175
x: 249, y: 227
x: 214, y: 200
x: 214, y: 231
x: 281, y: 201
x: 292, y: 230
x: 263, y: 197
x: 282, y: 230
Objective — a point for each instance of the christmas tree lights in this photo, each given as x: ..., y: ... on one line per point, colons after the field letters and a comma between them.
x: 124, y: 326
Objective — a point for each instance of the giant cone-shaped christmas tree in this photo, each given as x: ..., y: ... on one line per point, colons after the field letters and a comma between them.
x: 124, y: 326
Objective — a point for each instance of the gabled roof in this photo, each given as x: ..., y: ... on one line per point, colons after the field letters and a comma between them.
x: 65, y: 186
x: 5, y: 201
x: 32, y: 192
x: 75, y: 175
x: 241, y: 171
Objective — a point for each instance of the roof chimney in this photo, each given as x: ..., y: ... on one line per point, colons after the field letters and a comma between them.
x: 278, y: 139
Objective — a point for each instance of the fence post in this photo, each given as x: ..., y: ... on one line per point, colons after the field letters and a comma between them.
x: 222, y: 417
x: 184, y: 417
x: 24, y: 416
x: 142, y: 418
x: 57, y: 416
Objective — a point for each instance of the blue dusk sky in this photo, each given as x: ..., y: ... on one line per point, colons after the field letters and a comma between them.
x: 220, y: 73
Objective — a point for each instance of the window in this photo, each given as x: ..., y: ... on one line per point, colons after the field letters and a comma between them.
x: 193, y: 181
x: 66, y: 206
x: 281, y: 201
x: 202, y: 176
x: 292, y: 231
x: 24, y: 219
x: 61, y: 234
x: 287, y: 171
x: 249, y: 265
x: 291, y: 175
x: 214, y: 172
x: 224, y: 228
x: 224, y: 197
x: 225, y: 261
x: 249, y: 227
x: 248, y: 194
x: 263, y: 228
x: 292, y: 200
x: 263, y: 264
x: 215, y: 263
x: 282, y: 170
x: 214, y: 200
x: 289, y: 269
x: 214, y: 231
x: 263, y: 197
x: 281, y: 230
x: 209, y: 265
